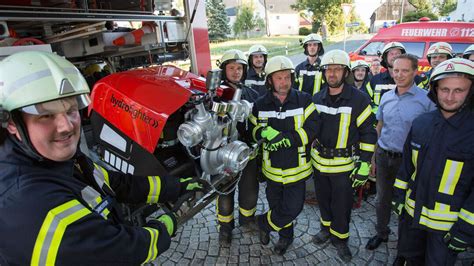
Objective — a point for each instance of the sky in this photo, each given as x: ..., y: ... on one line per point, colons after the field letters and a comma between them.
x: 365, y: 8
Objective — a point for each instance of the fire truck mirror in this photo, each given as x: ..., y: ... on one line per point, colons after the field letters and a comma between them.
x: 213, y: 79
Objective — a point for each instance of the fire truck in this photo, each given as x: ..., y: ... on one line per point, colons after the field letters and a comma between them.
x: 417, y: 37
x: 147, y: 117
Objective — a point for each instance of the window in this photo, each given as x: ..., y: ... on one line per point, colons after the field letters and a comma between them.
x: 372, y: 48
x: 415, y: 48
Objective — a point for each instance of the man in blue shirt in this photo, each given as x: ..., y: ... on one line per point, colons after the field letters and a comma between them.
x: 398, y: 108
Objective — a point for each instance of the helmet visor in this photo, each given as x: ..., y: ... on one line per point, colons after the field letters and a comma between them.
x: 67, y: 104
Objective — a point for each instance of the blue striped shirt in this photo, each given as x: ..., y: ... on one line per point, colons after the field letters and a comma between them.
x: 397, y: 112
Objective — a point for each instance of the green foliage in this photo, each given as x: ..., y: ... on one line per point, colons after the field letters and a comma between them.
x: 416, y: 15
x: 324, y: 11
x: 218, y: 22
x: 446, y: 6
x: 246, y: 21
x: 422, y: 4
x: 304, y: 31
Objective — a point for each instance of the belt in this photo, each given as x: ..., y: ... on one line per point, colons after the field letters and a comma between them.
x: 392, y: 154
x: 334, y: 152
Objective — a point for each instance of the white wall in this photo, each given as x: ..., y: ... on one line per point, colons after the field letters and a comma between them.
x: 464, y: 7
x: 283, y: 24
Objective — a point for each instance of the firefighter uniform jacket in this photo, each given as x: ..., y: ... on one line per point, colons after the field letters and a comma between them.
x: 436, y: 179
x: 256, y: 81
x: 425, y: 79
x: 380, y: 84
x: 308, y: 77
x: 346, y: 124
x: 55, y: 213
x: 297, y: 120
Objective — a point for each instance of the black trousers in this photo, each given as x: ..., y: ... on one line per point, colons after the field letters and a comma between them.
x: 286, y: 203
x: 334, y: 195
x: 248, y: 195
x: 419, y: 247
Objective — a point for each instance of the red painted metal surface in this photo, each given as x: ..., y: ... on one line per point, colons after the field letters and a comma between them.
x: 139, y: 102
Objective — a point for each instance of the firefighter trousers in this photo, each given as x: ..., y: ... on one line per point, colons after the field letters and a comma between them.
x: 419, y: 247
x: 285, y: 203
x: 334, y: 196
x: 248, y: 195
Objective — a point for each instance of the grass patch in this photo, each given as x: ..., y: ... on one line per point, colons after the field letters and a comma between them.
x: 287, y: 45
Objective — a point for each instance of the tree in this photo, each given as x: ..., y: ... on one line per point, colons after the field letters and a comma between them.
x: 445, y: 6
x: 327, y: 12
x: 416, y: 15
x: 246, y: 21
x: 217, y: 20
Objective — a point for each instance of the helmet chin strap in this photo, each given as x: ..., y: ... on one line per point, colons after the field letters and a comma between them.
x: 25, y: 142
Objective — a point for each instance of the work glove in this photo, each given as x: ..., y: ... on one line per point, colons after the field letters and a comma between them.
x: 397, y: 207
x: 454, y: 243
x: 360, y: 174
x: 277, y: 143
x: 191, y: 184
x: 269, y: 133
x: 170, y: 222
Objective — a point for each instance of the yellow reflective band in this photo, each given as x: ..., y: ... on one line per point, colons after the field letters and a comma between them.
x: 300, y: 80
x: 302, y: 155
x: 325, y: 223
x: 253, y: 119
x: 343, y: 133
x: 450, y: 178
x: 437, y: 225
x: 317, y: 82
x: 52, y: 230
x: 286, y: 176
x: 330, y: 162
x: 304, y: 137
x: 254, y: 132
x: 274, y: 226
x: 447, y: 216
x: 155, y: 189
x: 339, y: 235
x: 367, y: 147
x: 102, y: 174
x: 400, y: 184
x: 467, y: 216
x: 225, y: 218
x: 309, y: 110
x: 364, y: 115
x: 153, y: 248
x: 334, y: 169
x: 377, y: 97
x: 414, y: 158
x: 375, y: 109
x: 247, y: 213
x: 369, y: 90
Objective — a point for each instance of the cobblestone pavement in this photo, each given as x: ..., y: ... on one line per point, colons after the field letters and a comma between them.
x: 196, y: 243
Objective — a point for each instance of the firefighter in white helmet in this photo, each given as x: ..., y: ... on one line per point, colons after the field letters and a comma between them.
x: 234, y: 69
x: 286, y: 120
x: 361, y: 71
x: 57, y: 207
x: 308, y: 75
x: 256, y: 75
x: 469, y: 52
x: 342, y: 152
x: 437, y: 53
x: 434, y: 188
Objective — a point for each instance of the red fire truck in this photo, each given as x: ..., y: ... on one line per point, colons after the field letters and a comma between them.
x: 417, y: 37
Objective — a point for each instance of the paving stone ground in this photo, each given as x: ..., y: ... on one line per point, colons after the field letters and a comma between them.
x: 196, y: 242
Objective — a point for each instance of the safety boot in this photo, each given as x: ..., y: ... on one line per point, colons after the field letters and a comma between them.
x: 262, y: 233
x: 282, y: 245
x: 321, y: 237
x: 343, y: 251
x: 225, y: 235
